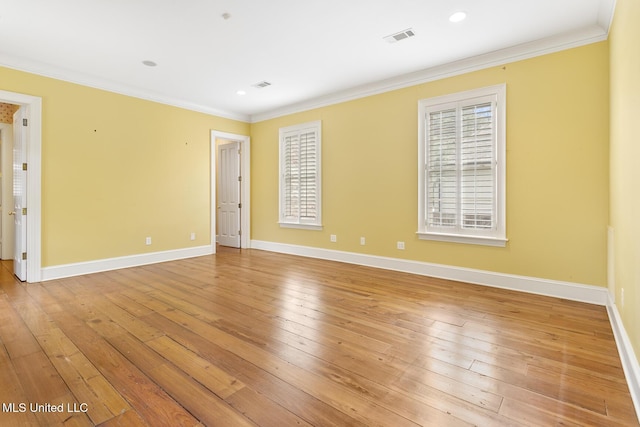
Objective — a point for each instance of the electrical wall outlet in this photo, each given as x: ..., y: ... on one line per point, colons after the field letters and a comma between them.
x: 400, y: 245
x: 193, y: 236
x: 362, y: 241
x: 622, y: 298
x: 334, y: 238
x: 147, y: 241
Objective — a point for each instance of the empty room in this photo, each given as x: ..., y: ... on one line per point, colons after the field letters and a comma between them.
x: 319, y: 213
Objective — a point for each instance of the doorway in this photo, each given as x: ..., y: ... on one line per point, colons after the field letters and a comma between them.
x: 31, y: 106
x: 6, y: 187
x: 230, y: 226
x: 228, y: 194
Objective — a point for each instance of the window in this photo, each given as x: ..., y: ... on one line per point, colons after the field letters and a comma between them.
x: 300, y: 195
x: 462, y: 167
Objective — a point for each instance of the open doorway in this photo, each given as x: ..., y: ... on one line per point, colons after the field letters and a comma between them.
x: 30, y: 108
x: 6, y: 180
x: 230, y: 204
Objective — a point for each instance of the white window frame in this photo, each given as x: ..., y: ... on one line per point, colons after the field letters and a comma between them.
x: 302, y: 223
x: 495, y: 236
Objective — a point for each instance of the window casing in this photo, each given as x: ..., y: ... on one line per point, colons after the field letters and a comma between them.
x: 300, y: 176
x: 462, y: 167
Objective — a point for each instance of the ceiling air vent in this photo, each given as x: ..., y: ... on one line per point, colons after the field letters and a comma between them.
x: 262, y: 84
x: 400, y: 36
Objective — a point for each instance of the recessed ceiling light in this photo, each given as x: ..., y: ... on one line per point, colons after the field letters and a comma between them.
x: 149, y: 63
x: 457, y: 17
x: 241, y: 92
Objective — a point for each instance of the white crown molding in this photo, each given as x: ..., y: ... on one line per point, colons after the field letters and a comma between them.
x: 88, y: 267
x: 605, y: 13
x: 520, y: 52
x: 545, y: 46
x: 534, y: 285
x: 45, y: 70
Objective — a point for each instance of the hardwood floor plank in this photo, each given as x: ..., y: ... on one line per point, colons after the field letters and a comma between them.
x: 12, y: 395
x: 588, y: 400
x: 205, y: 406
x: 16, y: 337
x: 140, y: 392
x: 40, y: 380
x: 262, y: 411
x: 257, y: 338
x: 344, y: 400
x: 307, y: 407
x: 207, y: 374
x: 127, y: 419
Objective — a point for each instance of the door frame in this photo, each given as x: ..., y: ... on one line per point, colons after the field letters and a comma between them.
x: 245, y: 186
x: 33, y: 146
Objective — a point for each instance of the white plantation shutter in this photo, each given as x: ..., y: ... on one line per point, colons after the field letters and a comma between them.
x: 291, y: 175
x: 300, y: 174
x: 442, y: 177
x: 308, y: 176
x: 477, y: 187
x: 462, y: 183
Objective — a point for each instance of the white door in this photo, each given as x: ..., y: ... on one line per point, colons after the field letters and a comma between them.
x: 20, y: 129
x: 229, y: 208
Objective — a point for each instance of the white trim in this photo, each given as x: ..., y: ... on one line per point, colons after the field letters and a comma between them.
x: 459, y: 238
x: 89, y: 267
x: 33, y: 107
x: 534, y: 285
x: 497, y: 95
x: 628, y: 357
x: 558, y: 43
x: 606, y: 12
x: 298, y: 129
x: 521, y: 52
x: 611, y: 275
x: 245, y: 191
x: 47, y: 70
x: 300, y: 226
x: 553, y: 288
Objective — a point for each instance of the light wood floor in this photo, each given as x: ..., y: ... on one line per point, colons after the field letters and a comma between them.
x: 256, y: 338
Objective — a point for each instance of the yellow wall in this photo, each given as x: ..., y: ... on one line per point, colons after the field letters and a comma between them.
x: 116, y: 169
x: 625, y: 162
x: 557, y: 171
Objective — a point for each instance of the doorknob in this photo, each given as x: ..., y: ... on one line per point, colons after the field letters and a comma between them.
x: 12, y: 213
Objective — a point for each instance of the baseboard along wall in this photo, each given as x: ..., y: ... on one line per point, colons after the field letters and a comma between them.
x: 566, y: 290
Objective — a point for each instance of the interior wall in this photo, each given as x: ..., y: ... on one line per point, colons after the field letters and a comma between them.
x: 625, y: 163
x: 557, y: 171
x: 117, y: 169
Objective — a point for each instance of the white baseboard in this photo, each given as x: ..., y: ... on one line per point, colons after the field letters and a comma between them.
x: 76, y: 269
x: 567, y: 290
x: 628, y: 357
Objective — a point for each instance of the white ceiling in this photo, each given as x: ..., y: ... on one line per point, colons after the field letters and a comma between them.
x: 312, y: 51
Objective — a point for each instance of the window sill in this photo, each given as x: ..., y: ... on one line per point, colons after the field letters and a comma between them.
x: 300, y: 226
x: 459, y: 238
